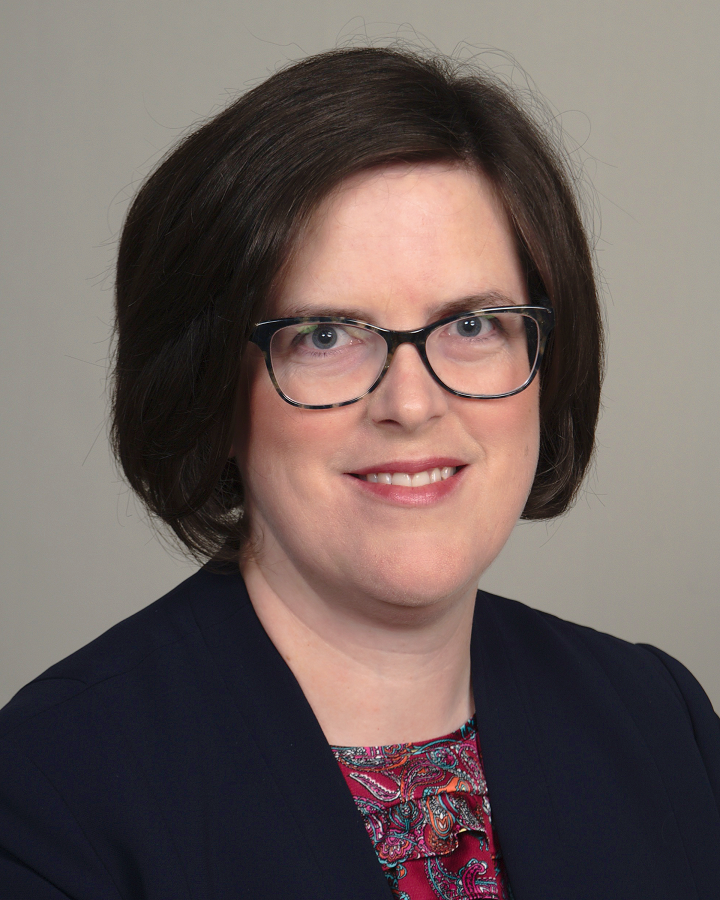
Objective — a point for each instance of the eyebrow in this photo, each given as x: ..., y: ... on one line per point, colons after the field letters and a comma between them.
x: 470, y: 303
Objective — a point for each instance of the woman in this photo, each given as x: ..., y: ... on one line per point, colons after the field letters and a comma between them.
x: 358, y: 337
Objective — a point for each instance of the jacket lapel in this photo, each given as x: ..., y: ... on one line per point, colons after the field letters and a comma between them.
x: 521, y: 800
x: 583, y: 775
x: 320, y: 811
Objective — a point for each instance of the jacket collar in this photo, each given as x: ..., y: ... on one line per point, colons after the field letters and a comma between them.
x: 319, y: 809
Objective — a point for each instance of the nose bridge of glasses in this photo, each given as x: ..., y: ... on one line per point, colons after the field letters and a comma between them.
x: 415, y: 337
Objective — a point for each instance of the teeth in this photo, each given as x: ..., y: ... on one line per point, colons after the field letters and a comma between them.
x: 419, y: 479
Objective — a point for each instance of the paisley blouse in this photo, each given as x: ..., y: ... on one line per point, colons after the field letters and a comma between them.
x: 427, y: 812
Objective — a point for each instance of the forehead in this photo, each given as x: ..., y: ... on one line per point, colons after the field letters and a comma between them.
x: 402, y: 239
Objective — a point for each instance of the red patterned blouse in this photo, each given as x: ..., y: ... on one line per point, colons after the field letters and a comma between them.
x: 426, y: 809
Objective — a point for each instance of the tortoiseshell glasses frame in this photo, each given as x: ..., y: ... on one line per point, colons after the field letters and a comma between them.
x: 540, y: 313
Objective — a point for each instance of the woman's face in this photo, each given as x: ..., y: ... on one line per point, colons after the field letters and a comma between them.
x: 395, y: 247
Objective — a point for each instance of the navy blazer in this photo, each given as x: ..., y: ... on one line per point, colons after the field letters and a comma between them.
x: 176, y: 757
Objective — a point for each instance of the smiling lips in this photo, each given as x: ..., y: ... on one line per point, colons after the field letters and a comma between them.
x: 432, y: 473
x: 414, y: 480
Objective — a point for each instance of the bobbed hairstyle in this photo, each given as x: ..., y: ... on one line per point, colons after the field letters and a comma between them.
x: 207, y: 235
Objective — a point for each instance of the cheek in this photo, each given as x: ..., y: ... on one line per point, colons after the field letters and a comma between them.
x: 264, y: 430
x: 510, y: 425
x: 509, y: 433
x: 264, y: 452
x: 527, y: 428
x: 528, y: 444
x: 282, y: 450
x: 524, y: 434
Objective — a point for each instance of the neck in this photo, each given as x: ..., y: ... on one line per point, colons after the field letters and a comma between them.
x: 374, y: 673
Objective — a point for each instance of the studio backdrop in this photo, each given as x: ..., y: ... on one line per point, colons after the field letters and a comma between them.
x: 93, y: 94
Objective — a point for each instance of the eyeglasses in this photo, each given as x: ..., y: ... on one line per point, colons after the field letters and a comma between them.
x: 320, y: 362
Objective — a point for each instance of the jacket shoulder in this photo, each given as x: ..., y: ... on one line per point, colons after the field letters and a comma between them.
x: 555, y: 640
x: 202, y: 600
x: 600, y: 672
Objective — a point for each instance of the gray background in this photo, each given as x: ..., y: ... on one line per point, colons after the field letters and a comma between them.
x: 94, y: 92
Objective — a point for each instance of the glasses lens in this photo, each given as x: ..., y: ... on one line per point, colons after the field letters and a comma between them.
x: 321, y: 363
x: 485, y: 354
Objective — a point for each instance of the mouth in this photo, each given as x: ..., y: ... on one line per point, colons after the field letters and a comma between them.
x: 414, y: 484
x: 410, y: 479
x: 420, y: 473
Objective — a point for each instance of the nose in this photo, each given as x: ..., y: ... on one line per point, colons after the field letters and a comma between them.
x: 407, y: 397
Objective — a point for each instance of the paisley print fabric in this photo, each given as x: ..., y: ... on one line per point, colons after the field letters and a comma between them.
x: 426, y: 809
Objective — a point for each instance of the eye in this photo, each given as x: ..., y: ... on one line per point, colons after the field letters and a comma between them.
x: 470, y: 327
x: 473, y: 326
x: 324, y: 337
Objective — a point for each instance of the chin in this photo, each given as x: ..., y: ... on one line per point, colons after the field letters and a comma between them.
x: 420, y: 579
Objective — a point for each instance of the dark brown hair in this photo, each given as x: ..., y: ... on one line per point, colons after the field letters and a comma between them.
x: 210, y: 229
